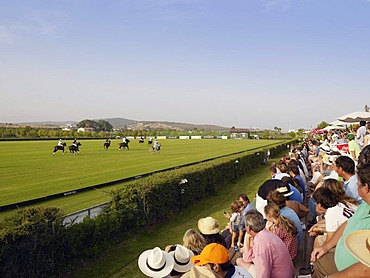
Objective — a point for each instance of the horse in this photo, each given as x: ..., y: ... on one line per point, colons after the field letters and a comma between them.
x: 74, y: 149
x: 107, y: 145
x: 58, y: 147
x: 141, y: 140
x: 123, y: 145
x: 150, y: 142
x: 155, y: 148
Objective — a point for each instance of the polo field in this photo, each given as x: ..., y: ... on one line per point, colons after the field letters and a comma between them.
x: 28, y: 169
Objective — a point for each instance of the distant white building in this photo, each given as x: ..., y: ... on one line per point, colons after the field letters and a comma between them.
x: 239, y: 132
x: 85, y: 129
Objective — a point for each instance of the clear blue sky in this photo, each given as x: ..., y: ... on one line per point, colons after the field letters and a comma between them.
x: 243, y: 63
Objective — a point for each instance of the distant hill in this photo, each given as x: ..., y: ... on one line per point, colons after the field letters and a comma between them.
x: 119, y: 123
x: 122, y: 122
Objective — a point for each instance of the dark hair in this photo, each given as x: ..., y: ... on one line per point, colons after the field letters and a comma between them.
x: 346, y: 163
x: 273, y: 169
x: 294, y: 169
x: 364, y: 156
x: 244, y: 197
x: 292, y: 182
x: 362, y: 123
x: 282, y: 167
x: 325, y: 197
x: 364, y: 174
x: 277, y: 198
x: 214, y: 238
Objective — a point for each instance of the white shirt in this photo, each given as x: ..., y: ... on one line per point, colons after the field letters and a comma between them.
x: 336, y: 216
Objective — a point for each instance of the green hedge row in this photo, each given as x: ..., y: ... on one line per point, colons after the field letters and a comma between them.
x: 35, y: 243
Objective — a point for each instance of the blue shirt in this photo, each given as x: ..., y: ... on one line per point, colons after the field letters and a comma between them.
x: 296, y: 196
x: 351, y: 188
x: 289, y: 213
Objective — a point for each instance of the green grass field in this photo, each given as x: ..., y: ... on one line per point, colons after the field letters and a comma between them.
x: 28, y: 169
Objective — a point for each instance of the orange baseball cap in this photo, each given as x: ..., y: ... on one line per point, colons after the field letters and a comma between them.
x: 213, y: 253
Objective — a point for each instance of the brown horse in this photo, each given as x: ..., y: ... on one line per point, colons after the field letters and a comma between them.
x: 57, y: 148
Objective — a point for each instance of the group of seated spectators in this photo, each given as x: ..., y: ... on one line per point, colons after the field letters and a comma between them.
x: 263, y: 241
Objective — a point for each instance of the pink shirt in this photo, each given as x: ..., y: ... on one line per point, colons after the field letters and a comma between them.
x: 270, y: 256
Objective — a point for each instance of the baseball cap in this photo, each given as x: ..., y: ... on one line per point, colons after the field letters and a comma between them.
x: 213, y: 253
x: 351, y: 136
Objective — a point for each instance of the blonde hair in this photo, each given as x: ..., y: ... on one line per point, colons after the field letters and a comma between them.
x: 337, y: 188
x: 282, y: 222
x: 194, y: 241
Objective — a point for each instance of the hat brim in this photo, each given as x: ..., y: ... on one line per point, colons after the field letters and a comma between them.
x: 183, y: 268
x: 355, y: 242
x: 155, y: 274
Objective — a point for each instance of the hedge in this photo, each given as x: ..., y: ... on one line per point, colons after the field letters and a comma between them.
x: 35, y: 243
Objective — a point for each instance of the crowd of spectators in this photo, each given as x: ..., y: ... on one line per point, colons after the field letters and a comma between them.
x: 262, y: 241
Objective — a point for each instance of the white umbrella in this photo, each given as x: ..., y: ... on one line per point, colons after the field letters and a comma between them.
x: 337, y: 122
x: 355, y: 117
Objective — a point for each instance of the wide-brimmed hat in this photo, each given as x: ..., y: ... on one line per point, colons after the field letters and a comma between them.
x: 182, y: 257
x: 358, y: 244
x: 156, y: 263
x: 208, y: 226
x: 285, y: 189
x: 268, y: 186
x: 213, y: 253
x: 328, y: 159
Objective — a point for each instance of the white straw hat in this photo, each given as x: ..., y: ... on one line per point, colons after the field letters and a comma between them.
x: 182, y: 257
x: 208, y: 226
x: 156, y: 263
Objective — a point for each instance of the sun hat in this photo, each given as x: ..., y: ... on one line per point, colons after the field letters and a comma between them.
x: 208, y: 226
x: 268, y: 186
x: 327, y: 159
x: 285, y: 189
x: 213, y: 253
x: 182, y: 257
x: 156, y: 263
x: 358, y: 244
x: 351, y: 136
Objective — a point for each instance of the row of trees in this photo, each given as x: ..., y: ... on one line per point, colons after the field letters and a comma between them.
x: 33, y: 132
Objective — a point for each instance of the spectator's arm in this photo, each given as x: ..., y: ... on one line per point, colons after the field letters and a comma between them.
x: 322, y: 250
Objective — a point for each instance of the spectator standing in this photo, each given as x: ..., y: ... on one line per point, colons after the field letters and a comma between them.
x: 360, y: 134
x: 353, y: 148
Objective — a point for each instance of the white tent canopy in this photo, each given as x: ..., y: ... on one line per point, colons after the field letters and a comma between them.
x: 355, y: 117
x: 332, y: 127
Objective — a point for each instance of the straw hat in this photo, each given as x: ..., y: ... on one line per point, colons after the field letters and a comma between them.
x: 156, y: 263
x: 358, y: 244
x: 182, y: 257
x: 208, y: 226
